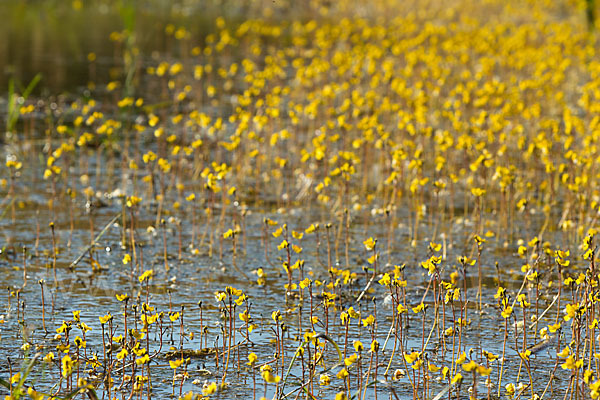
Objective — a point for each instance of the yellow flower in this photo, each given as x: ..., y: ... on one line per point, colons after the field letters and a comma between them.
x: 370, y: 243
x: 570, y: 363
x: 324, y: 380
x: 80, y: 343
x: 372, y: 259
x: 490, y: 356
x: 435, y: 246
x: 133, y: 201
x: 412, y: 357
x: 105, y: 319
x: 142, y: 360
x: 348, y: 361
x: 564, y: 353
x: 353, y: 313
x: 419, y: 308
x: 483, y: 371
x: 49, y: 357
x: 305, y: 283
x: 342, y: 374
x: 276, y: 316
x: 477, y: 192
x: 385, y: 280
x: 432, y: 367
x: 147, y: 275
x: 122, y: 354
x: 368, y: 321
x: 122, y: 297
x: 522, y: 300
x: 525, y: 354
x: 571, y: 311
x: 220, y: 296
x: 500, y: 293
x: 457, y: 378
x: 374, y: 346
x: 470, y: 366
x: 464, y: 260
x: 358, y: 346
x: 312, y: 228
x: 15, y: 378
x: 66, y: 366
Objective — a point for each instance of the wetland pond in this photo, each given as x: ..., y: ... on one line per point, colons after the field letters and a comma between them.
x: 329, y: 200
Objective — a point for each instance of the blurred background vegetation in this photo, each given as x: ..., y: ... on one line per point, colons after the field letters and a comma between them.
x: 75, y: 42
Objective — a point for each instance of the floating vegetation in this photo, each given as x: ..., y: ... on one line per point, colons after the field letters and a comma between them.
x: 343, y: 201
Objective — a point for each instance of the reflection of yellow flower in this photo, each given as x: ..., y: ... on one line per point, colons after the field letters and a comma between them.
x: 341, y: 396
x: 266, y: 373
x: 510, y: 389
x: 324, y: 380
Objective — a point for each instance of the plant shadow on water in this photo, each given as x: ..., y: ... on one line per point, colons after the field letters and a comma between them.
x: 325, y: 200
